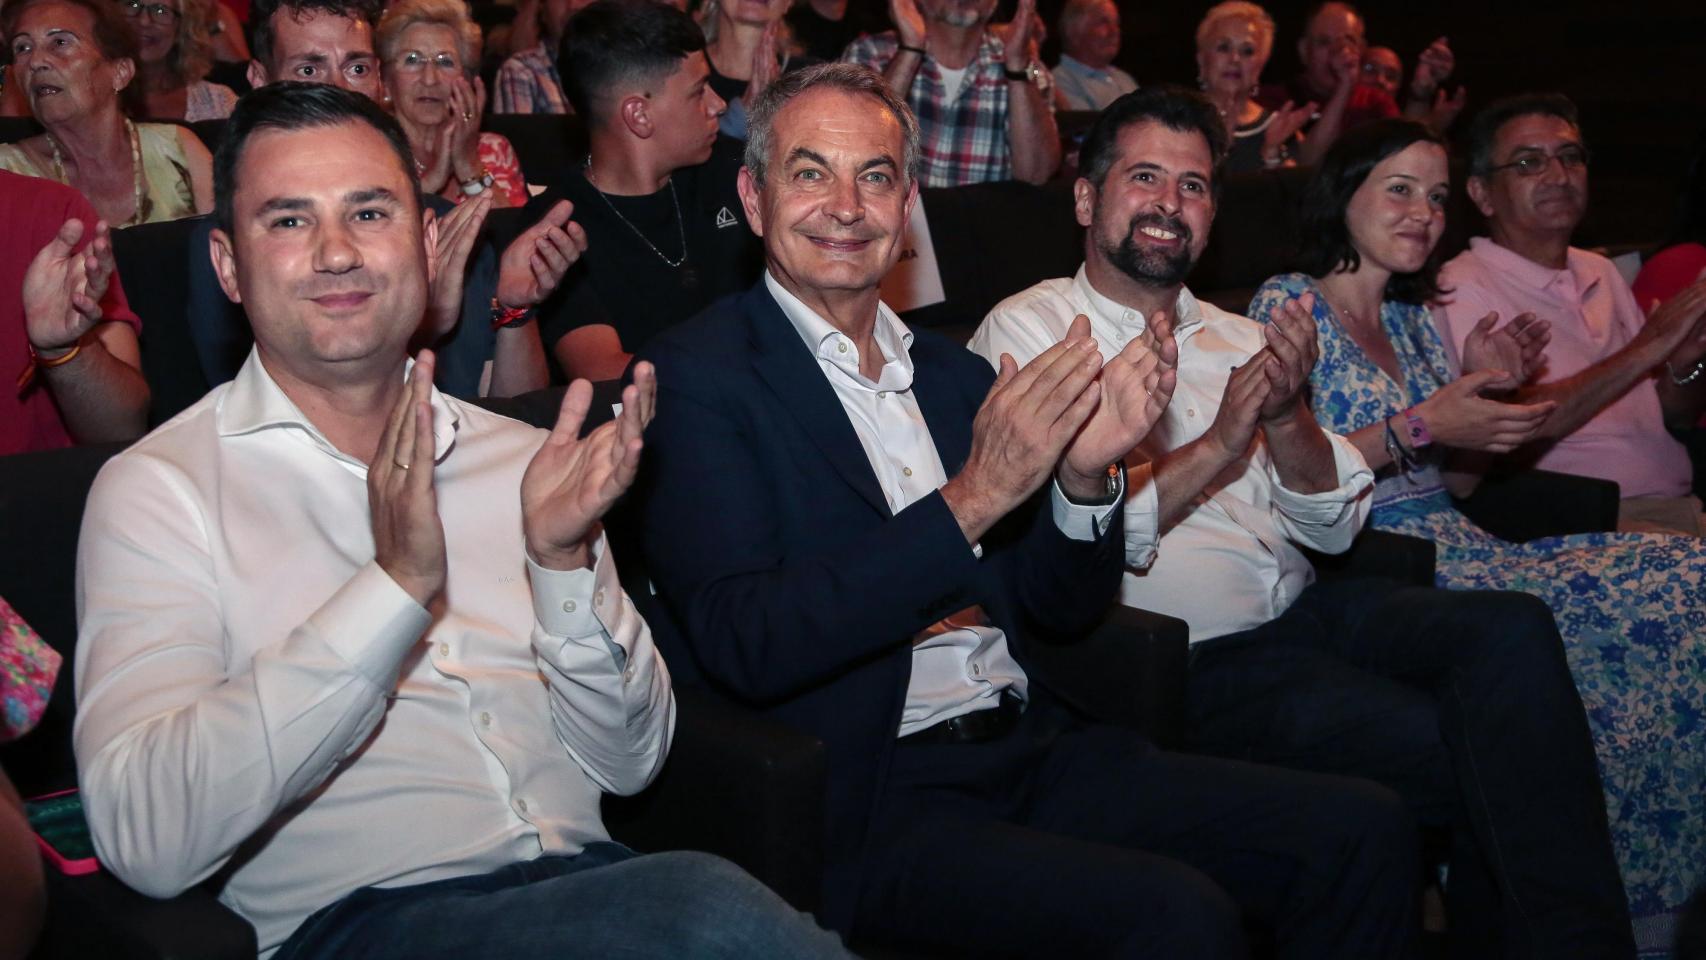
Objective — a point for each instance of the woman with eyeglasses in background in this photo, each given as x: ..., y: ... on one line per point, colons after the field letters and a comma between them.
x: 174, y: 52
x: 430, y: 49
x: 76, y: 60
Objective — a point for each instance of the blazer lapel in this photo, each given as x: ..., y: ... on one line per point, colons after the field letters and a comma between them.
x: 784, y: 363
x: 944, y: 413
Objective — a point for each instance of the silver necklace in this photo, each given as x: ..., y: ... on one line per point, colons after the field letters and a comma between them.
x: 680, y: 224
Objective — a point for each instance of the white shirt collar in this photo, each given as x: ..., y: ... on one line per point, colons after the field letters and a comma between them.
x: 1187, y: 319
x: 835, y: 348
x: 255, y: 402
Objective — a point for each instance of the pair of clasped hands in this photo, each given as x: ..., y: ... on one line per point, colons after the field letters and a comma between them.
x: 1065, y: 414
x: 570, y: 483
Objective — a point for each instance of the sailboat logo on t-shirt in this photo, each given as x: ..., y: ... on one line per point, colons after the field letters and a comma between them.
x: 725, y: 218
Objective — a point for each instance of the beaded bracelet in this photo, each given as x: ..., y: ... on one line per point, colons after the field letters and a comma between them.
x: 1401, y: 458
x: 1693, y: 375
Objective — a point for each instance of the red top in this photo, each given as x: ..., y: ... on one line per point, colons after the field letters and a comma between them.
x: 1665, y: 274
x: 33, y: 210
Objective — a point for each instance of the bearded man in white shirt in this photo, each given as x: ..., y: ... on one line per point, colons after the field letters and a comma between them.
x: 304, y: 607
x: 1462, y: 702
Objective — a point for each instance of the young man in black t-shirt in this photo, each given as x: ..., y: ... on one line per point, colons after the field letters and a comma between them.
x: 666, y: 234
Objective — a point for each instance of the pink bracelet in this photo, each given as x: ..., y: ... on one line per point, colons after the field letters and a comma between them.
x: 1419, y: 435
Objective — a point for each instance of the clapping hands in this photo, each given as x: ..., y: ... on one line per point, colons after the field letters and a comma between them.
x: 63, y: 287
x: 573, y: 481
x: 1516, y: 350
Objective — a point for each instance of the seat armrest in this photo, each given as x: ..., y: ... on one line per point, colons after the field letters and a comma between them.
x: 738, y: 785
x: 1376, y: 553
x: 1529, y: 504
x: 1128, y: 671
x: 95, y: 915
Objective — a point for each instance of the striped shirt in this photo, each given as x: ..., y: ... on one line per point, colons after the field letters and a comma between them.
x: 528, y: 83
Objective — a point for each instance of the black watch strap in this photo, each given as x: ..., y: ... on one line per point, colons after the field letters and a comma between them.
x: 1022, y: 76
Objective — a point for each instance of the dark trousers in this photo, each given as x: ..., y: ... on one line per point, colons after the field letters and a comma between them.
x: 1063, y: 839
x: 1462, y: 702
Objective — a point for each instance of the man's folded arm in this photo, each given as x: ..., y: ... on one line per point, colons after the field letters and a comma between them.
x: 180, y: 757
x: 1327, y: 521
x: 610, y: 695
x: 763, y: 617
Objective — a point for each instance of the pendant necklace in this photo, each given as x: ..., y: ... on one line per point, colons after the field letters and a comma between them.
x: 689, y: 276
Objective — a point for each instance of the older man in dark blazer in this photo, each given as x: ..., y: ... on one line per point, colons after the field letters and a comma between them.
x: 859, y: 534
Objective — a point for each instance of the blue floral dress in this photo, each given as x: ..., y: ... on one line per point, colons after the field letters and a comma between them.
x: 1628, y: 607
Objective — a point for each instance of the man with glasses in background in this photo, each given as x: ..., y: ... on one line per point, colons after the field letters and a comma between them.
x: 1617, y: 375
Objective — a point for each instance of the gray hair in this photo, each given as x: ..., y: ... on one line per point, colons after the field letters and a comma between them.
x: 846, y: 77
x: 388, y: 34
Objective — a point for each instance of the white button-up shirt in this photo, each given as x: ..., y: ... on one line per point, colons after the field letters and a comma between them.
x: 1229, y: 564
x: 961, y: 663
x: 252, y: 687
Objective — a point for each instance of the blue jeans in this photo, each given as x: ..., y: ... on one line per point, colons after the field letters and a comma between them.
x: 605, y: 902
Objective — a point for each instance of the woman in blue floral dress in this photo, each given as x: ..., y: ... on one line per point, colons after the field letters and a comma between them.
x: 1629, y: 606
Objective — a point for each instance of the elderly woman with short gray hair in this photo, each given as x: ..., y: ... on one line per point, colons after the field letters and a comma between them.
x: 430, y: 49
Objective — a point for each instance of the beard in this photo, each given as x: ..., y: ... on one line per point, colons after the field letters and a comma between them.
x: 1152, y: 267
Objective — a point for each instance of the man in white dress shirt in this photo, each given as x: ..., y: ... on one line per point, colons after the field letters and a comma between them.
x: 359, y: 648
x: 1460, y: 701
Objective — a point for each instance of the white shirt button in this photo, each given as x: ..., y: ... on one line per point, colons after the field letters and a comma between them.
x: 841, y: 347
x: 976, y: 669
x: 906, y: 470
x: 882, y: 394
x: 1190, y: 411
x: 598, y: 599
x: 568, y: 606
x: 444, y: 649
x: 628, y: 675
x: 485, y: 719
x: 521, y: 805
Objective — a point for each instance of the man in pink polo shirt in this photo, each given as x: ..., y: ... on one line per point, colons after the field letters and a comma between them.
x: 1618, y: 375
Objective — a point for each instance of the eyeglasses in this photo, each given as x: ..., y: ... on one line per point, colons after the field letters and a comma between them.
x: 157, y: 12
x: 418, y: 61
x: 1535, y: 163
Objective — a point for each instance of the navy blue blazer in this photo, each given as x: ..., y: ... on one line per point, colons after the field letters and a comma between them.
x: 795, y: 588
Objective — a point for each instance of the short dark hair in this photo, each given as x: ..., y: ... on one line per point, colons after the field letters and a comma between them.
x: 1174, y: 107
x: 114, y: 37
x: 615, y: 42
x: 1326, y: 246
x: 294, y: 105
x: 1484, y: 129
x: 1314, y: 10
x: 260, y: 19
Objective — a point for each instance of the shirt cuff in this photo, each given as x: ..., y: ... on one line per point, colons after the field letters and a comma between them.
x: 372, y: 623
x: 1327, y: 507
x: 1142, y: 517
x: 574, y: 604
x: 1082, y: 522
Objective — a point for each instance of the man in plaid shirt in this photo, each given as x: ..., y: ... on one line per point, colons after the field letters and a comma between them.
x: 528, y: 82
x: 980, y: 93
